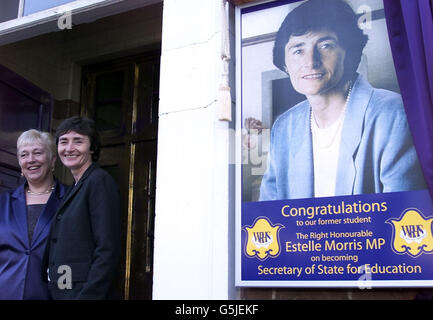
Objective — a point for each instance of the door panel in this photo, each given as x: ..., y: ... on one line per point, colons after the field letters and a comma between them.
x: 23, y: 106
x: 122, y: 97
x: 147, y: 101
x: 141, y: 258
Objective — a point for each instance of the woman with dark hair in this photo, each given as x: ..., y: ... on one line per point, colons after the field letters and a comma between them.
x: 84, y: 248
x: 346, y: 137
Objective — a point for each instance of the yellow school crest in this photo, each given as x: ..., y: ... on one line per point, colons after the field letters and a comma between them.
x: 262, y: 239
x: 412, y: 233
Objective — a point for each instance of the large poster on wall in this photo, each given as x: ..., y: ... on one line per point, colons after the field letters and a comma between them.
x: 330, y: 192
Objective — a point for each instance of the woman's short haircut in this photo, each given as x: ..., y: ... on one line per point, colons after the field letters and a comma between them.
x: 323, y: 15
x: 84, y: 126
x: 35, y: 136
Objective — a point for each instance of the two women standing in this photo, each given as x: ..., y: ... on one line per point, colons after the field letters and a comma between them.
x: 85, y: 221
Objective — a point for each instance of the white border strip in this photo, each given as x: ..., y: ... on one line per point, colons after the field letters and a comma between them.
x: 238, y: 150
x: 52, y: 14
x: 366, y: 284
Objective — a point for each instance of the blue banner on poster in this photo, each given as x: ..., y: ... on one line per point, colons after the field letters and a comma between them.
x: 378, y: 238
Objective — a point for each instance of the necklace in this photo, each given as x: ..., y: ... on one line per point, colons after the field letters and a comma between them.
x: 41, y: 193
x: 335, y: 128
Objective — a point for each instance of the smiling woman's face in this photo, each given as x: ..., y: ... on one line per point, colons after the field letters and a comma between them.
x: 35, y: 162
x: 74, y: 150
x: 314, y: 62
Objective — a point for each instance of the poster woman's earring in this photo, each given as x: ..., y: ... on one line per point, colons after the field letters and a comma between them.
x: 22, y: 174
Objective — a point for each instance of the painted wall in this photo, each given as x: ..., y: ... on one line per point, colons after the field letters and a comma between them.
x: 194, y: 232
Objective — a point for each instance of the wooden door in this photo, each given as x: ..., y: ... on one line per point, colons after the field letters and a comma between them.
x: 23, y: 106
x: 122, y: 97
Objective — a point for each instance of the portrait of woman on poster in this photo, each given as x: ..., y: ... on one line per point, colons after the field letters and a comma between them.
x: 346, y: 137
x: 26, y: 214
x: 85, y: 235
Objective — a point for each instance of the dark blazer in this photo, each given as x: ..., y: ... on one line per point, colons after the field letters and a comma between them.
x: 20, y: 260
x: 85, y: 236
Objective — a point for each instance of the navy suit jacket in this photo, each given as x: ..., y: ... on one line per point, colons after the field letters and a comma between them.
x: 85, y: 236
x: 21, y: 261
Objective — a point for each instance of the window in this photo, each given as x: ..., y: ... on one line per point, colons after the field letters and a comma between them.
x: 108, y: 100
x: 9, y: 10
x: 13, y: 9
x: 32, y: 6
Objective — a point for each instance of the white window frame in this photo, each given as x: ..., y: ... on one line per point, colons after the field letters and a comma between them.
x: 51, y: 14
x: 20, y: 9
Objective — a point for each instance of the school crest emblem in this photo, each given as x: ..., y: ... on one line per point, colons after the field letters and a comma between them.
x: 412, y: 233
x: 262, y: 239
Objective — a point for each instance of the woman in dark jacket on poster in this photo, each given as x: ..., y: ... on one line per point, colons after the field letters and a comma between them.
x: 26, y: 214
x: 84, y: 248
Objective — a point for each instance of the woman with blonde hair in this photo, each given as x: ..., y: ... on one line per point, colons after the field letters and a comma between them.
x: 25, y: 219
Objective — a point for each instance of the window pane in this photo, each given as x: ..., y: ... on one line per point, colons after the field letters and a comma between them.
x: 108, y: 101
x: 9, y: 10
x: 18, y: 111
x: 32, y: 6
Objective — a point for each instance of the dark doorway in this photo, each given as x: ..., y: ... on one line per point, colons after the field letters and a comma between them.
x: 23, y: 106
x: 122, y: 97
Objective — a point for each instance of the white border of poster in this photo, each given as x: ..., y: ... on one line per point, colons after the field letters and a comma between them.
x: 260, y: 29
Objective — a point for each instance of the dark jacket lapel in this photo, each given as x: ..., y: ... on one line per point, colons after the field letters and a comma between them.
x: 74, y: 189
x: 49, y: 211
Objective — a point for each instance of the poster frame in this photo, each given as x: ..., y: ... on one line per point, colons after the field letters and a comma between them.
x: 238, y: 198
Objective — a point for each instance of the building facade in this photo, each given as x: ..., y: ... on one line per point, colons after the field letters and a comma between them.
x: 148, y: 72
